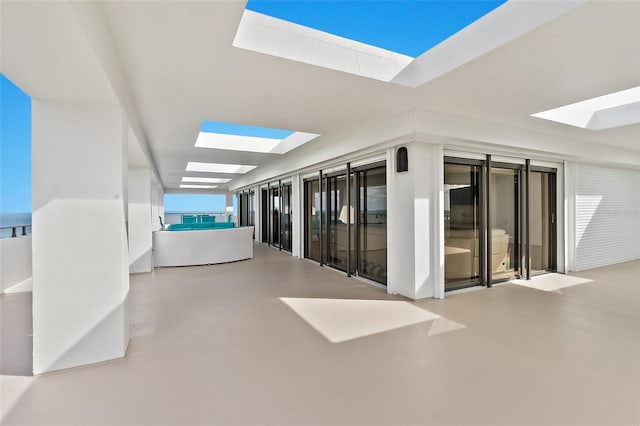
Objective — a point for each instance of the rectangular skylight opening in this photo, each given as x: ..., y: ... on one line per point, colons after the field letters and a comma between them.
x: 239, y: 137
x: 192, y: 179
x: 194, y: 166
x: 602, y: 112
x: 198, y: 186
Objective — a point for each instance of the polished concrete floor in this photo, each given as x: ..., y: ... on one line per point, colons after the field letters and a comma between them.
x: 276, y: 340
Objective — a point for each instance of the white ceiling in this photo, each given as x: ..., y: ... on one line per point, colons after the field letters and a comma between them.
x: 181, y: 69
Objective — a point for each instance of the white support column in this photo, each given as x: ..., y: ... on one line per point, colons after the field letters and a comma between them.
x: 414, y: 222
x: 569, y: 206
x: 80, y: 257
x: 157, y: 204
x: 228, y: 205
x: 140, y: 219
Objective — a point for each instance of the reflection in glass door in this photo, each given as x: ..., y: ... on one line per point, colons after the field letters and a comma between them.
x: 372, y: 224
x: 499, y: 221
x: 312, y: 219
x: 542, y: 212
x: 285, y: 224
x: 462, y: 225
x: 264, y: 216
x: 274, y: 215
x: 337, y: 236
x: 504, y: 218
x: 331, y: 220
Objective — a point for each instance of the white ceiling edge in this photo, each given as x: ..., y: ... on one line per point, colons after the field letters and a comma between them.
x: 276, y: 37
x: 497, y: 28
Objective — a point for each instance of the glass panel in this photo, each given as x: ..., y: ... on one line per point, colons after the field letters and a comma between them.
x: 504, y: 223
x: 286, y: 217
x: 461, y: 225
x: 337, y: 225
x: 312, y: 214
x: 252, y: 209
x: 265, y: 216
x: 372, y: 230
x: 275, y: 216
x: 542, y: 212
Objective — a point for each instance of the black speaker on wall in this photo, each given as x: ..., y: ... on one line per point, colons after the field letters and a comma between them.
x: 402, y: 160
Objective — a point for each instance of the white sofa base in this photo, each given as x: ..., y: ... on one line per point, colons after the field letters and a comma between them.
x: 184, y: 248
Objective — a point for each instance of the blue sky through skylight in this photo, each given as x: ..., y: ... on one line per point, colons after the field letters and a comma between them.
x: 242, y: 130
x: 402, y: 26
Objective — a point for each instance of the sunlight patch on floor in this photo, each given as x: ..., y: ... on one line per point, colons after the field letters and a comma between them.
x: 552, y: 282
x: 340, y: 320
x: 12, y: 389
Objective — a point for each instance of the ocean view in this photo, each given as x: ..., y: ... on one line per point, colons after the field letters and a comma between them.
x: 13, y: 219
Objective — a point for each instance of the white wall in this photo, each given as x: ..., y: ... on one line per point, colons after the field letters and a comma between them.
x: 80, y: 258
x: 15, y: 263
x: 140, y: 219
x: 607, y: 216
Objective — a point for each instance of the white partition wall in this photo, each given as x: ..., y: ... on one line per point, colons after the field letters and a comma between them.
x: 607, y: 216
x: 140, y: 219
x: 80, y: 259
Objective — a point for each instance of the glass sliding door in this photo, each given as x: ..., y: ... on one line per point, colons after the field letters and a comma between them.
x: 312, y: 219
x: 542, y: 221
x: 337, y: 237
x: 285, y: 224
x: 504, y: 219
x: 348, y: 229
x: 499, y: 221
x: 274, y: 216
x: 265, y: 216
x: 252, y: 209
x: 462, y: 225
x: 372, y: 224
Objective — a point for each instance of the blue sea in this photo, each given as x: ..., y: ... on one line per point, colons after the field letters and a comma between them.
x: 13, y: 219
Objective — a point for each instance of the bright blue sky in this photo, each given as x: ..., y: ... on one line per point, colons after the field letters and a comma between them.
x: 15, y: 148
x: 242, y: 130
x: 402, y: 26
x: 206, y: 203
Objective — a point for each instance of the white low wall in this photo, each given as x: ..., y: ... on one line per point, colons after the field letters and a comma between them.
x: 15, y: 264
x: 183, y: 248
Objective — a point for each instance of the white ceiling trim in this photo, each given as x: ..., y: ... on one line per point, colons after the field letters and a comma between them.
x: 276, y: 37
